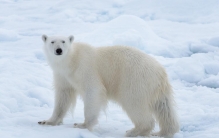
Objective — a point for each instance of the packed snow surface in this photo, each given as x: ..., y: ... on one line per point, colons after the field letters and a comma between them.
x: 183, y: 35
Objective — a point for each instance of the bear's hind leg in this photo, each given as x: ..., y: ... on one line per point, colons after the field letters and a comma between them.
x: 166, y: 116
x: 141, y: 117
x: 143, y: 126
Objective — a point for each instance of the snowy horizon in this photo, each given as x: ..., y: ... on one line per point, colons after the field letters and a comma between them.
x: 182, y: 35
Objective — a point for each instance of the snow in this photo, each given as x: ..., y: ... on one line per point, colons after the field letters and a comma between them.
x: 214, y: 41
x: 182, y: 35
x: 8, y: 35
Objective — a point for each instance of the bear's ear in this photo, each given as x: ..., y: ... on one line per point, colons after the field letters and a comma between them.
x: 44, y: 37
x: 71, y: 38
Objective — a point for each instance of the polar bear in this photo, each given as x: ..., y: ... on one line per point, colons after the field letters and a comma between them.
x: 131, y: 78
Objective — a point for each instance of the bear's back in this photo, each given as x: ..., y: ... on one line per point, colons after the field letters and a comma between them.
x: 124, y: 56
x: 122, y: 66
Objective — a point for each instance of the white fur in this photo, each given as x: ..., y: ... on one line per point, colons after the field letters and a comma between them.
x: 133, y: 79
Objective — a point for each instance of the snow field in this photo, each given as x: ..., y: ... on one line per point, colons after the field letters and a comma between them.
x: 182, y: 35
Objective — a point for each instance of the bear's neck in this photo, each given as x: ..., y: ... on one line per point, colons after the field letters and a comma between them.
x: 58, y: 63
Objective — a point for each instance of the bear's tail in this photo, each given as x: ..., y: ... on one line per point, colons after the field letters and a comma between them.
x: 165, y: 114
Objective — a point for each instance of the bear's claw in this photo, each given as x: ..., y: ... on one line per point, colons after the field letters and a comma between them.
x: 42, y: 122
x: 79, y: 125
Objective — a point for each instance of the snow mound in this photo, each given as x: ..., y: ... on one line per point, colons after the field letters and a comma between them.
x: 211, y: 68
x: 128, y: 30
x: 133, y: 31
x: 202, y: 48
x: 129, y: 38
x: 212, y: 82
x: 121, y: 24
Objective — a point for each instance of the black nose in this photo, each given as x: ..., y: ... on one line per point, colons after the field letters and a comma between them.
x: 59, y: 51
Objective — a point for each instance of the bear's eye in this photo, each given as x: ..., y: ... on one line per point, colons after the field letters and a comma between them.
x: 52, y: 42
x: 63, y: 41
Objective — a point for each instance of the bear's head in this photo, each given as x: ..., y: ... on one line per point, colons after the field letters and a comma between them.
x: 56, y: 46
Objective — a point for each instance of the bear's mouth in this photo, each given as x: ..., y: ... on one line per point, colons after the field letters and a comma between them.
x: 58, y: 51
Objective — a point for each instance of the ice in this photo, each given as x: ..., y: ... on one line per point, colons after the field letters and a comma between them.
x: 182, y: 35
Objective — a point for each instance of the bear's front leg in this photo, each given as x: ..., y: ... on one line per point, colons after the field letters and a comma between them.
x: 64, y: 97
x: 94, y: 101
